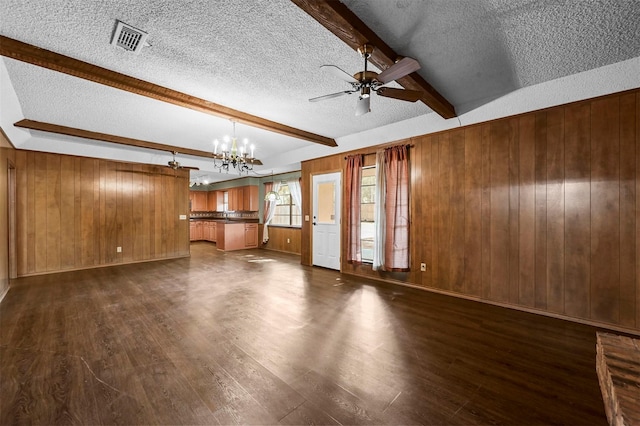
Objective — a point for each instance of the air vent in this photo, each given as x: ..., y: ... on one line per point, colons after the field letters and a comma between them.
x: 128, y: 37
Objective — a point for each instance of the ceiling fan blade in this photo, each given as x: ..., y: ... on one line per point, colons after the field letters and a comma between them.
x: 332, y: 95
x: 403, y: 95
x: 339, y: 72
x: 404, y: 66
x: 363, y: 106
x: 144, y: 173
x: 189, y: 168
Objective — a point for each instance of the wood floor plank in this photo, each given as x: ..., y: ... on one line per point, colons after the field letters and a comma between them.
x: 253, y: 337
x: 345, y: 407
x: 171, y: 396
x: 45, y: 388
x: 245, y: 411
x: 307, y: 414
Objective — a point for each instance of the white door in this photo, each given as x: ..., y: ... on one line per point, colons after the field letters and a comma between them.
x: 326, y: 220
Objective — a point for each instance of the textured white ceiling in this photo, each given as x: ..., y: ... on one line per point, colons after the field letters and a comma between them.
x: 474, y: 51
x: 263, y: 56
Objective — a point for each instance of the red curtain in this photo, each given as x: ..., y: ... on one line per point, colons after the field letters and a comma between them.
x: 353, y: 188
x: 396, y: 170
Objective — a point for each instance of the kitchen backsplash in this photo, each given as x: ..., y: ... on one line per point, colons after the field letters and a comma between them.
x: 224, y: 215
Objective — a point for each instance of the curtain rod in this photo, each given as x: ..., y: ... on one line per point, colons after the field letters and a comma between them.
x: 409, y: 145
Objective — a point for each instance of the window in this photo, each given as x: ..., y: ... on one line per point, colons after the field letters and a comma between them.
x: 286, y: 213
x: 367, y: 215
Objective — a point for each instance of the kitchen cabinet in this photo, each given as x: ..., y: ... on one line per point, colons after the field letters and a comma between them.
x: 237, y: 236
x: 243, y: 198
x: 203, y: 230
x: 215, y: 201
x: 198, y: 201
x: 250, y: 235
x: 211, y: 232
x: 236, y: 201
x: 196, y: 232
x: 250, y: 198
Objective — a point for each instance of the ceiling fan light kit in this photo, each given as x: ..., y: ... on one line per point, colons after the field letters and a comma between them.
x: 364, y: 82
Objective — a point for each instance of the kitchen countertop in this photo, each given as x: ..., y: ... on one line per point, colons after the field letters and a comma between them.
x: 231, y: 221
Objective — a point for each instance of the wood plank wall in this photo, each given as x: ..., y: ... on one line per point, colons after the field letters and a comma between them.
x: 278, y: 239
x: 73, y: 212
x: 537, y: 211
x: 7, y: 157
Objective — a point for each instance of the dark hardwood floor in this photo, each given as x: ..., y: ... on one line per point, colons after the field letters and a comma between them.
x: 252, y: 337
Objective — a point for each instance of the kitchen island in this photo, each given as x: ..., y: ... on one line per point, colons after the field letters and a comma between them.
x: 227, y: 234
x: 236, y: 236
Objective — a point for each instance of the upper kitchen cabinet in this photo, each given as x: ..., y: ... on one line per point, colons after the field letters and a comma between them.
x: 239, y: 199
x: 215, y: 201
x: 243, y: 198
x: 235, y: 199
x: 198, y: 201
x: 250, y: 198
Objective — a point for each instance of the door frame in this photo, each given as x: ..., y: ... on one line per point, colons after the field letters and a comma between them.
x: 11, y: 220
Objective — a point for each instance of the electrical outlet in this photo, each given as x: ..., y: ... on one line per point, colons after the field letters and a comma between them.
x: 288, y: 240
x: 423, y: 267
x: 118, y: 249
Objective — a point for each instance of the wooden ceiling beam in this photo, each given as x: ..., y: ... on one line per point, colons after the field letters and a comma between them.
x: 337, y: 18
x: 105, y: 137
x: 24, y: 52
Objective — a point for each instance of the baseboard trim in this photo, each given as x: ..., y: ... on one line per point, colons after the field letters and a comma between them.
x: 280, y: 251
x: 591, y: 323
x: 4, y: 293
x: 107, y: 265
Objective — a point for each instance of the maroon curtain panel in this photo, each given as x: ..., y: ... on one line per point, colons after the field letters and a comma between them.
x: 396, y: 169
x: 353, y: 184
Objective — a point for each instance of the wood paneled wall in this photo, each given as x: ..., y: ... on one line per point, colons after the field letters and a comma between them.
x: 537, y: 211
x: 278, y: 237
x: 7, y: 157
x: 73, y: 212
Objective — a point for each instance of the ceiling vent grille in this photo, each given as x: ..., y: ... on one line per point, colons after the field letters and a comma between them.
x: 128, y: 37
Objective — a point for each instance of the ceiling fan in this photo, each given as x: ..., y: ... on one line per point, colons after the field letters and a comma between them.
x: 366, y: 81
x: 175, y: 165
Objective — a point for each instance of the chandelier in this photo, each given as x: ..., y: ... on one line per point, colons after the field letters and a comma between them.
x: 231, y: 155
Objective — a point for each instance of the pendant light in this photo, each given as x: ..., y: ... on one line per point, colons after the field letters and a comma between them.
x: 271, y: 195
